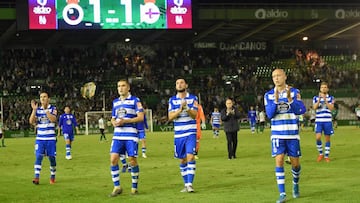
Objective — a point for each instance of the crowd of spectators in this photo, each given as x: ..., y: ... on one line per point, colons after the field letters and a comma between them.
x: 63, y: 71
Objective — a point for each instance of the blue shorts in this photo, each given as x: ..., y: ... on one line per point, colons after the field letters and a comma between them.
x: 291, y: 147
x: 327, y: 127
x: 122, y: 146
x: 184, y: 145
x: 69, y: 136
x: 142, y: 135
x: 216, y: 125
x: 45, y: 147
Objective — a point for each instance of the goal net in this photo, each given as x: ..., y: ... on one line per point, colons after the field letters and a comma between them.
x: 92, y: 121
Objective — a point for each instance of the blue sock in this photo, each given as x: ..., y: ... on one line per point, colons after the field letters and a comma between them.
x: 280, y: 179
x: 68, y: 149
x: 37, y: 165
x: 143, y: 150
x: 184, y: 173
x: 327, y: 149
x: 296, y: 174
x: 52, y: 160
x: 123, y: 159
x: 191, y: 167
x: 115, y: 175
x: 319, y: 146
x: 135, y: 176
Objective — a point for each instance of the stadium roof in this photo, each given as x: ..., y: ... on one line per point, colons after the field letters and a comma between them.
x: 336, y: 22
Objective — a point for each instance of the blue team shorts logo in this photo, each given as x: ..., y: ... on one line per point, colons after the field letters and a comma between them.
x: 283, y: 107
x: 121, y: 113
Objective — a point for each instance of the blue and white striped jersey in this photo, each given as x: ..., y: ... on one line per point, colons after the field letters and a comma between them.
x: 323, y: 114
x: 283, y: 114
x: 184, y: 125
x: 45, y: 128
x: 125, y: 109
x: 67, y: 122
x: 216, y: 117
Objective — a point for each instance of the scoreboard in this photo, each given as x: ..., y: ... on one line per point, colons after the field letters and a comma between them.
x: 109, y: 14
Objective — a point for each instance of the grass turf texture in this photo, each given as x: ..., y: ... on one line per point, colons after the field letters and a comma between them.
x: 249, y: 178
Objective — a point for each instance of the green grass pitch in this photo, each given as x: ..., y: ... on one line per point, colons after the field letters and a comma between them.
x: 249, y: 178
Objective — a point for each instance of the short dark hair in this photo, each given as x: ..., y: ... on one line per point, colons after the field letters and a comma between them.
x: 124, y: 80
x: 181, y: 78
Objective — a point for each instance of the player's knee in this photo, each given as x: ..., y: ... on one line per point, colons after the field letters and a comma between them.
x: 133, y: 161
x: 52, y: 160
x: 39, y: 159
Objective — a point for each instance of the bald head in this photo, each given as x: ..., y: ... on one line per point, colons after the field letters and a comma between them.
x: 279, y: 77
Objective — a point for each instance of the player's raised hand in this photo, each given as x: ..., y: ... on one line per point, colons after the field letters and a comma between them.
x: 184, y: 105
x: 34, y: 104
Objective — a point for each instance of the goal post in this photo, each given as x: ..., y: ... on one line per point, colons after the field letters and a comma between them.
x: 149, y: 119
x: 92, y: 120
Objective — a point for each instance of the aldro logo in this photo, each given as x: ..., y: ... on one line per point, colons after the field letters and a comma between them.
x: 178, y: 11
x: 271, y: 13
x: 41, y: 9
x: 345, y: 14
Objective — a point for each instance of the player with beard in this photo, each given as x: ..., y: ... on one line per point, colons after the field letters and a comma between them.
x: 323, y: 104
x: 182, y: 111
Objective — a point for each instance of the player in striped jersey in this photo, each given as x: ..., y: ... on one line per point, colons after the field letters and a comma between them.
x: 282, y: 104
x: 67, y: 123
x: 182, y: 111
x: 323, y: 104
x: 43, y: 116
x: 215, y: 121
x: 127, y: 110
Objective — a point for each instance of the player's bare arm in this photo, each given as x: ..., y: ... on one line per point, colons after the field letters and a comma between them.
x: 32, y: 118
x: 51, y: 116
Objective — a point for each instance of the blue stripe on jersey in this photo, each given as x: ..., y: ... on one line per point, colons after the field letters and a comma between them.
x: 184, y: 125
x: 323, y: 114
x: 125, y: 109
x: 283, y: 115
x: 216, y: 116
x: 67, y: 122
x: 45, y: 128
x: 284, y: 121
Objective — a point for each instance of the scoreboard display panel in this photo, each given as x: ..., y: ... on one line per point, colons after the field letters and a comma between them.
x: 109, y: 14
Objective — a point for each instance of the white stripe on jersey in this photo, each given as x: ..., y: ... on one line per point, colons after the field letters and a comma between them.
x: 285, y: 116
x: 46, y: 125
x: 285, y: 136
x: 46, y: 138
x: 285, y: 127
x: 323, y: 119
x: 184, y: 134
x: 135, y: 139
x: 45, y: 132
x: 125, y: 130
x: 184, y: 127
